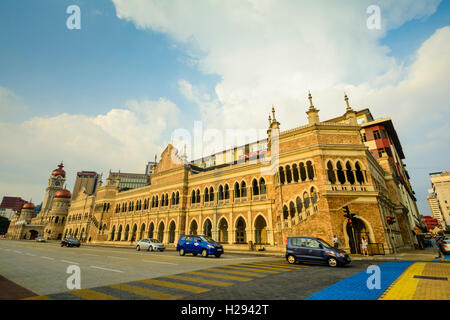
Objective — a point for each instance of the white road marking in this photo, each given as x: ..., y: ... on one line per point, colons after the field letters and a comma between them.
x: 47, y: 258
x: 67, y: 261
x: 17, y: 251
x: 106, y: 269
x: 30, y: 254
x: 160, y: 262
x: 88, y: 254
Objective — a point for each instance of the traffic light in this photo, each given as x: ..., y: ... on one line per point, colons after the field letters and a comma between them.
x: 346, y: 210
x: 390, y: 220
x: 348, y: 215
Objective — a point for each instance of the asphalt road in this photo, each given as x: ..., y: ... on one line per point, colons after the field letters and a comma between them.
x: 42, y: 267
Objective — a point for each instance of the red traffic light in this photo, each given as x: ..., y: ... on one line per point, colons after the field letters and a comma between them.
x: 350, y: 221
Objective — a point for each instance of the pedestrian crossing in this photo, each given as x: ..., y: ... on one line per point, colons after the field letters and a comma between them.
x: 179, y: 286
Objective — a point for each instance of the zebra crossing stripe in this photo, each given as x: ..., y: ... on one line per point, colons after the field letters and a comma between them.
x: 219, y: 276
x: 176, y: 285
x: 241, y: 273
x: 92, y: 295
x: 153, y: 294
x: 199, y: 280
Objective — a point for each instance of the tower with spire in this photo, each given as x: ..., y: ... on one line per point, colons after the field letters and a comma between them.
x: 350, y: 114
x: 313, y: 113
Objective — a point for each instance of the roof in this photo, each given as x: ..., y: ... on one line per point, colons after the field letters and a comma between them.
x: 14, y: 203
x: 86, y: 174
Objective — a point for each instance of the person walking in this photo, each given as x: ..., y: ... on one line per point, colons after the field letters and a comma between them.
x: 335, y: 242
x: 364, y: 247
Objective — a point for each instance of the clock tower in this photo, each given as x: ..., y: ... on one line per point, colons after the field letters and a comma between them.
x: 55, y: 183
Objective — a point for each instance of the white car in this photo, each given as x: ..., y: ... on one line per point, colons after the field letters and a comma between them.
x: 150, y: 245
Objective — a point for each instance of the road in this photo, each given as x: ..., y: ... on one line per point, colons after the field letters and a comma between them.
x: 42, y: 267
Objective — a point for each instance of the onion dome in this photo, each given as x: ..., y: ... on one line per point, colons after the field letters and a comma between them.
x: 63, y: 193
x: 28, y: 206
x: 59, y: 171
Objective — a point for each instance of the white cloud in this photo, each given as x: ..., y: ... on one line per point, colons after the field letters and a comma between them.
x: 272, y: 52
x: 122, y: 139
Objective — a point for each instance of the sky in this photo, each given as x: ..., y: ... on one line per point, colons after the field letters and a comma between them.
x: 110, y: 95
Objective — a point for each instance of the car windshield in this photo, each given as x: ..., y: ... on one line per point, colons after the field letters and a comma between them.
x: 447, y: 241
x: 208, y: 239
x: 155, y: 241
x: 324, y: 243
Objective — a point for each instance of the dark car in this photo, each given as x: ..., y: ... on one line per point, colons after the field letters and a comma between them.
x: 316, y: 250
x: 444, y: 245
x: 196, y: 244
x: 70, y: 242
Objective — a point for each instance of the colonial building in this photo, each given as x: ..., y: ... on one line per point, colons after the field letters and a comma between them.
x: 52, y: 218
x: 295, y: 182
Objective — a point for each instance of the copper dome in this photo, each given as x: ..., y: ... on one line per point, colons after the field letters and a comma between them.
x: 59, y: 171
x: 64, y: 193
x: 28, y: 206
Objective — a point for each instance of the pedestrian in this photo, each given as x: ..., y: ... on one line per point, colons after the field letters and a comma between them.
x: 364, y: 247
x: 335, y: 242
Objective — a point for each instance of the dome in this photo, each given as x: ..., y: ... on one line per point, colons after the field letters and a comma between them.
x: 59, y: 171
x: 28, y: 206
x: 64, y: 193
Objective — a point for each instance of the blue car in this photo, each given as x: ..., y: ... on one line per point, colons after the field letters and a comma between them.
x: 315, y: 250
x: 196, y: 244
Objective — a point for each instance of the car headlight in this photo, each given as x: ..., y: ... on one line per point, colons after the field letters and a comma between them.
x: 210, y: 246
x: 341, y: 255
x: 330, y: 253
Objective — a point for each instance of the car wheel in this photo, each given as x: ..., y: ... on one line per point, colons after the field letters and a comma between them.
x: 182, y: 252
x: 291, y: 259
x: 194, y: 254
x: 138, y: 248
x: 62, y: 244
x: 332, y: 262
x: 204, y: 253
x: 218, y: 255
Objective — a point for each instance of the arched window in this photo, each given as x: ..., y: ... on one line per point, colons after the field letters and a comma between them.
x: 330, y: 173
x: 156, y: 201
x: 243, y: 189
x: 153, y: 201
x: 207, y: 228
x: 314, y: 196
x: 220, y: 192
x: 340, y: 173
x: 281, y: 175
x: 193, y: 197
x: 172, y: 202
x: 255, y: 187
x: 292, y: 209
x: 241, y: 236
x: 349, y: 171
x: 193, y: 228
x: 177, y: 198
x: 285, y: 212
x: 295, y: 172
x: 310, y: 169
x: 359, y: 173
x: 172, y: 228
x: 288, y: 174
x: 206, y: 195
x: 237, y: 191
x: 306, y: 200
x: 262, y: 186
x: 302, y: 171
x: 211, y: 194
x: 167, y: 200
x: 197, y: 200
x: 227, y: 192
x: 298, y: 201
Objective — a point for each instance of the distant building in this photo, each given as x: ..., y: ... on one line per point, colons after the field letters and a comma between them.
x: 149, y: 167
x: 431, y: 222
x: 87, y: 180
x: 440, y: 183
x: 434, y: 207
x: 129, y: 181
x: 11, y: 205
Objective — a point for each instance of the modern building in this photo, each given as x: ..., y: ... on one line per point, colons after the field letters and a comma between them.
x: 440, y: 183
x: 128, y: 181
x: 295, y: 182
x: 86, y: 181
x: 434, y: 207
x: 431, y: 223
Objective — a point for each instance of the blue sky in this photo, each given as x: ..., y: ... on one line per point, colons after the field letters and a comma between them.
x: 197, y: 66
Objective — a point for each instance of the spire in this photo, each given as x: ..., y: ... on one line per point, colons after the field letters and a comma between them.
x: 313, y: 113
x: 311, y: 106
x: 346, y: 101
x: 270, y: 120
x: 273, y: 112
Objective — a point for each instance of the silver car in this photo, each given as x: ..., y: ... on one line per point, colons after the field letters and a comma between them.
x: 150, y: 245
